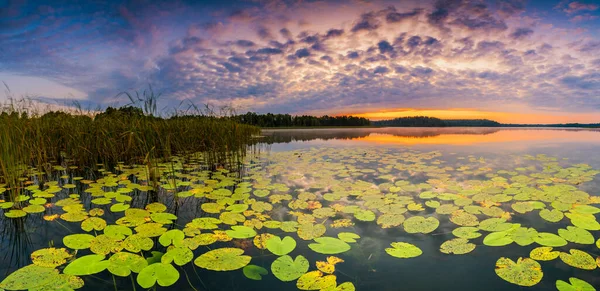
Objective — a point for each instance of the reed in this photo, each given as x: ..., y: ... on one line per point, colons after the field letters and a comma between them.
x: 33, y: 143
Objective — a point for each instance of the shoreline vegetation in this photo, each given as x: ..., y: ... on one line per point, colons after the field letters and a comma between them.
x: 287, y: 121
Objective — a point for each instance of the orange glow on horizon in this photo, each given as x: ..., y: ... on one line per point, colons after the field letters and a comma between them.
x: 502, y: 117
x: 496, y: 137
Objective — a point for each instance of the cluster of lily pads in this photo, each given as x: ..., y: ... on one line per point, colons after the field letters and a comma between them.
x: 315, y: 197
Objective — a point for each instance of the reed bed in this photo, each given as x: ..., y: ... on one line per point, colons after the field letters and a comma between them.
x: 129, y: 135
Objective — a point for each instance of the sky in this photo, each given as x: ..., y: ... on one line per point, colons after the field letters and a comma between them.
x: 510, y: 60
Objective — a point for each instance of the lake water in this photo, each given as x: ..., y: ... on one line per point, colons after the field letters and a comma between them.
x: 363, y: 181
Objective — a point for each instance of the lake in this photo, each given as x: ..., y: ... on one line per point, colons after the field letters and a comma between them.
x: 364, y: 209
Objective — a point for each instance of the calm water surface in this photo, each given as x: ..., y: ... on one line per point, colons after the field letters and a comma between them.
x: 465, y: 161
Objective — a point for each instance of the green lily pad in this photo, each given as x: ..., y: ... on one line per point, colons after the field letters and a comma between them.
x: 497, y: 239
x: 155, y: 258
x: 420, y: 224
x: 467, y: 232
x: 576, y: 235
x: 93, y: 223
x: 179, y: 255
x: 173, y: 236
x: 328, y: 245
x: 29, y: 277
x: 163, y: 217
x: 281, y: 247
x: 15, y: 213
x: 122, y: 264
x: 87, y: 265
x: 254, y: 272
x: 403, y: 250
x: 553, y: 215
x: 163, y: 274
x: 33, y: 208
x: 150, y: 229
x: 309, y: 231
x: 574, y: 285
x: 136, y: 243
x: 287, y: 269
x: 525, y: 272
x: 579, y: 259
x: 544, y: 254
x: 50, y: 257
x: 205, y: 223
x: 241, y: 232
x: 103, y: 245
x: 119, y: 207
x: 348, y: 237
x: 238, y: 208
x: 117, y: 232
x: 495, y: 224
x: 61, y: 282
x: 223, y: 259
x: 364, y: 215
x: 462, y: 218
x: 524, y: 236
x: 457, y: 246
x: 389, y: 220
x: 78, y: 241
x: 550, y: 240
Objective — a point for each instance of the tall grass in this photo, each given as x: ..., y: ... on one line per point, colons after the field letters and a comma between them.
x: 131, y: 135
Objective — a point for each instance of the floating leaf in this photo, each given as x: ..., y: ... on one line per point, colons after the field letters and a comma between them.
x: 15, y: 213
x: 223, y: 259
x: 462, y: 218
x: 104, y: 245
x: 497, y: 239
x: 173, y: 236
x: 287, y: 269
x: 136, y: 243
x: 420, y: 224
x: 122, y: 264
x: 78, y: 241
x: 180, y: 255
x: 329, y: 266
x: 87, y: 265
x: 93, y: 223
x: 50, y: 257
x: 241, y: 232
x: 550, y: 240
x: 525, y: 272
x: 117, y: 232
x: 348, y: 237
x: 364, y: 215
x: 161, y: 273
x: 579, y: 259
x: 389, y: 220
x: 457, y: 246
x: 553, y: 215
x: 495, y: 224
x: 467, y: 232
x: 543, y: 254
x: 576, y: 235
x: 329, y: 245
x: 254, y: 272
x: 574, y: 285
x: 150, y: 229
x: 260, y: 241
x: 29, y: 277
x: 403, y: 250
x: 281, y: 247
x: 309, y: 231
x: 315, y: 280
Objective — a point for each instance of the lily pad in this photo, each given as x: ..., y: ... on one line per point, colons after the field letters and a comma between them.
x: 287, y: 269
x: 576, y: 235
x: 122, y: 264
x: 173, y: 236
x: 136, y: 243
x: 241, y: 232
x: 161, y: 273
x: 93, y: 223
x: 579, y: 259
x: 403, y: 250
x: 550, y: 240
x: 78, y: 241
x: 364, y: 215
x: 544, y: 254
x: 281, y: 247
x: 254, y: 272
x: 50, y: 257
x: 420, y: 224
x: 309, y: 231
x: 457, y: 246
x: 574, y: 285
x: 553, y: 215
x: 348, y: 237
x: 29, y: 277
x: 329, y: 245
x: 467, y: 232
x: 117, y: 232
x: 179, y: 255
x: 525, y: 272
x: 87, y: 265
x: 223, y: 259
x: 315, y: 280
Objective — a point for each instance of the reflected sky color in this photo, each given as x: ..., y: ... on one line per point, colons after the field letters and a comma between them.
x: 509, y: 60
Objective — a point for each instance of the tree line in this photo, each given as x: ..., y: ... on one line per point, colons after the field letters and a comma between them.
x: 287, y: 120
x: 425, y: 121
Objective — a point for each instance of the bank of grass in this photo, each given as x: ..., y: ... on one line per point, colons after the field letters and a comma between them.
x: 129, y: 136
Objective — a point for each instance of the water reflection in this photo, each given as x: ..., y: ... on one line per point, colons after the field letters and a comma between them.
x: 427, y: 135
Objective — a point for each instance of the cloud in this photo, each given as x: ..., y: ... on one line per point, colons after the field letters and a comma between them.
x: 576, y: 6
x: 521, y: 32
x: 367, y: 21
